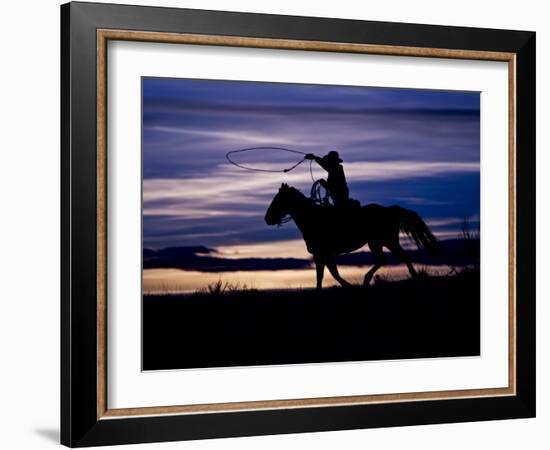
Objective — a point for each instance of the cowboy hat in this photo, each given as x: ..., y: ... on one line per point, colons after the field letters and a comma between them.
x: 332, y: 156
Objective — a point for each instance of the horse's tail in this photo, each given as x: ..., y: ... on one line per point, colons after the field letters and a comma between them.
x: 416, y: 229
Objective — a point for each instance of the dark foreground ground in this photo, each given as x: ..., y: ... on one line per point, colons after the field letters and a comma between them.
x: 425, y: 318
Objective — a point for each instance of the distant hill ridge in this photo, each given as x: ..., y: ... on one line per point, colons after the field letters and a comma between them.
x: 452, y: 252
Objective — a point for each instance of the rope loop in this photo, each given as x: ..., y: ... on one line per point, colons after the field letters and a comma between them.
x: 254, y: 169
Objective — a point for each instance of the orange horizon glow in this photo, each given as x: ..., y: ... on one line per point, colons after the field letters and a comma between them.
x: 177, y: 281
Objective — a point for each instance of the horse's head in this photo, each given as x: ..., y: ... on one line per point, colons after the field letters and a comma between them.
x: 280, y: 206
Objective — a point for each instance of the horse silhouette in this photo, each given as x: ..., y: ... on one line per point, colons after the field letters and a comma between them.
x: 329, y: 231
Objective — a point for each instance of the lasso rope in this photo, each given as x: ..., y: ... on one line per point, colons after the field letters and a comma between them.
x: 228, y: 157
x: 254, y: 169
x: 316, y: 194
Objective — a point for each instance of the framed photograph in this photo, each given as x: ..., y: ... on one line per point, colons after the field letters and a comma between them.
x: 276, y: 224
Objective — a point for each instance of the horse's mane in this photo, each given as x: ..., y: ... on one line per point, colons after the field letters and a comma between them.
x: 299, y: 194
x: 297, y: 191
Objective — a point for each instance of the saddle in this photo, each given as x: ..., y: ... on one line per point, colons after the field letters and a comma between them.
x: 338, y: 214
x: 320, y: 196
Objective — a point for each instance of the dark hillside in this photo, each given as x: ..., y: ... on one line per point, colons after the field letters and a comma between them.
x: 422, y: 318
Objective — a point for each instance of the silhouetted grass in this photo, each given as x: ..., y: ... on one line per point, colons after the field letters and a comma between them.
x: 220, y: 288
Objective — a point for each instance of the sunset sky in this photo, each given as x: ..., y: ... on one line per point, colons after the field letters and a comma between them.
x: 415, y: 148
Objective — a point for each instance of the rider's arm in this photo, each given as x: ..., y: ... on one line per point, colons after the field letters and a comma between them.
x: 318, y: 160
x: 321, y: 162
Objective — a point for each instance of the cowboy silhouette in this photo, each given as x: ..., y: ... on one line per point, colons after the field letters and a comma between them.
x: 336, y: 183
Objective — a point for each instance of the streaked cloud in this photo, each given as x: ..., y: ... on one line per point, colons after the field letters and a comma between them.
x: 227, y: 184
x: 237, y: 137
x: 416, y: 148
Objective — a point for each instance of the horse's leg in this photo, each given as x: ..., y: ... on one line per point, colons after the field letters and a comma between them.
x: 398, y: 251
x: 333, y: 269
x: 320, y: 268
x: 379, y: 262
